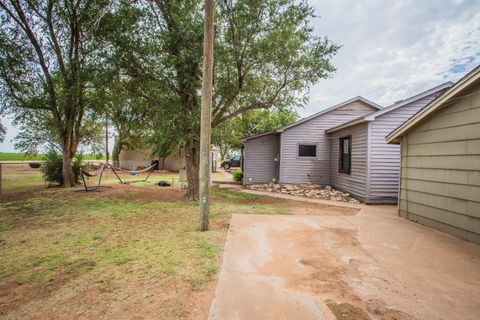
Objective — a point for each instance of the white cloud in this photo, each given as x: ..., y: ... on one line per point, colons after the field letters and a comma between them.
x: 392, y: 51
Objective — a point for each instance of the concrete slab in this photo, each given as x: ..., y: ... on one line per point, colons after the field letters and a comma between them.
x: 372, y: 265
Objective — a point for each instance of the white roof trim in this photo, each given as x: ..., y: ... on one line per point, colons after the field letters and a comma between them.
x: 258, y: 135
x: 433, y: 106
x: 372, y: 116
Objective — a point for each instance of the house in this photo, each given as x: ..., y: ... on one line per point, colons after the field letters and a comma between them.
x: 300, y: 152
x: 440, y: 163
x: 343, y: 146
x: 362, y: 163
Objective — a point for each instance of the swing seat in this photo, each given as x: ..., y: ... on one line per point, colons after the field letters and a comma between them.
x: 98, y: 172
x: 135, y: 172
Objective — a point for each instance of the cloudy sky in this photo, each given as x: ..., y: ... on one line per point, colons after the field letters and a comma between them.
x: 394, y: 49
x: 390, y: 49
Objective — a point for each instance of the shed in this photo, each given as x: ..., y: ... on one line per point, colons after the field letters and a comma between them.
x: 362, y: 163
x: 300, y: 152
x: 440, y: 164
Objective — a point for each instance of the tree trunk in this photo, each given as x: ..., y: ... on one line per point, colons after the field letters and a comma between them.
x: 116, y: 151
x: 67, y: 170
x: 223, y: 153
x: 192, y: 159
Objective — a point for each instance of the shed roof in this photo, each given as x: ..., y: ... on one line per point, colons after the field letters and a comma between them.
x: 358, y: 98
x: 372, y: 116
x: 445, y: 99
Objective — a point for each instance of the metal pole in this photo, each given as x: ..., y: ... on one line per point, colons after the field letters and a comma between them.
x: 106, y: 136
x: 206, y: 114
x: 0, y: 178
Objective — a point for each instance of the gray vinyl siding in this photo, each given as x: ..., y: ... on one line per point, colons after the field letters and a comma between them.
x: 354, y: 182
x: 440, y: 184
x: 385, y: 158
x: 294, y: 169
x: 259, y: 159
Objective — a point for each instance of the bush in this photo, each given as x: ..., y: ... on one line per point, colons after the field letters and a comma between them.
x: 53, y: 163
x: 237, y: 175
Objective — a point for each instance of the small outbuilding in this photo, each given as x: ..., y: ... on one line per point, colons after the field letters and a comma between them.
x: 142, y: 157
x: 440, y: 161
x: 300, y: 152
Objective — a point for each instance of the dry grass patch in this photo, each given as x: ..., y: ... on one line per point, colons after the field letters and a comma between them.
x: 125, y: 252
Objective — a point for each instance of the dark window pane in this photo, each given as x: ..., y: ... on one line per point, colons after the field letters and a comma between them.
x: 305, y: 150
x: 345, y: 154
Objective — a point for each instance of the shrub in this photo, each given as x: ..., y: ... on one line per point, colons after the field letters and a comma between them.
x: 237, y: 175
x: 53, y: 163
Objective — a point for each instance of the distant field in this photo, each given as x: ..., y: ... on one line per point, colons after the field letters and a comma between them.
x: 38, y: 157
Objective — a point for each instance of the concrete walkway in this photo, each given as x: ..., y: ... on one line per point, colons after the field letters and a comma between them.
x: 373, y: 265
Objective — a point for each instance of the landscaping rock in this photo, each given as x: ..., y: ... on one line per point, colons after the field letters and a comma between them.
x: 308, y: 190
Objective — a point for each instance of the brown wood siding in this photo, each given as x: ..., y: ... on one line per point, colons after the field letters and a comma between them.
x: 259, y: 155
x: 294, y: 169
x: 440, y: 184
x: 354, y: 182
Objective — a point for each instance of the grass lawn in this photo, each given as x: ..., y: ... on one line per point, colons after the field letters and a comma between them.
x: 38, y: 157
x: 17, y: 180
x: 130, y: 251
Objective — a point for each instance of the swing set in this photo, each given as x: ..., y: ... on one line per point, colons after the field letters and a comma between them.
x: 104, y: 166
x: 99, y: 172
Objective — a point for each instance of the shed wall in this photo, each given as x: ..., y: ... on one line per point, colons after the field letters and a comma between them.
x: 143, y: 157
x: 440, y: 185
x: 259, y: 159
x: 294, y: 169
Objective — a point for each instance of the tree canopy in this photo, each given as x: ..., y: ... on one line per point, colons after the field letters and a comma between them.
x: 3, y: 131
x: 50, y: 53
x: 227, y: 135
x: 64, y: 65
x: 266, y: 55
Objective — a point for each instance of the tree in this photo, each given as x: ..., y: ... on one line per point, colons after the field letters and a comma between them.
x: 48, y: 55
x: 3, y: 131
x: 38, y: 132
x: 228, y: 134
x: 266, y: 55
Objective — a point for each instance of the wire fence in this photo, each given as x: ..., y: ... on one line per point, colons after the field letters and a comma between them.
x: 17, y: 175
x: 20, y: 176
x: 23, y: 176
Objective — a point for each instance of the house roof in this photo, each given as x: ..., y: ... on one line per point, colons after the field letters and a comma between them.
x: 358, y: 98
x: 444, y: 99
x: 258, y: 135
x: 372, y: 116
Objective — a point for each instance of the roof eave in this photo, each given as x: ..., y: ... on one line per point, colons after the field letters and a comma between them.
x: 459, y: 86
x: 357, y: 98
x: 347, y: 125
x: 258, y: 135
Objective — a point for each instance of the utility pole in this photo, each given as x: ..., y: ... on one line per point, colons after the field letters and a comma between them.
x: 106, y: 136
x: 206, y: 115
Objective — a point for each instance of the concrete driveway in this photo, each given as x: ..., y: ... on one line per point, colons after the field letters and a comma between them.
x: 373, y: 265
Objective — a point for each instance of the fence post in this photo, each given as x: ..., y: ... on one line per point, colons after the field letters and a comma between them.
x: 0, y: 178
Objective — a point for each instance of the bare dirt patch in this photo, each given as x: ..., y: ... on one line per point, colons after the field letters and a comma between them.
x: 297, y: 207
x: 14, y: 293
x: 131, y: 192
x: 125, y: 252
